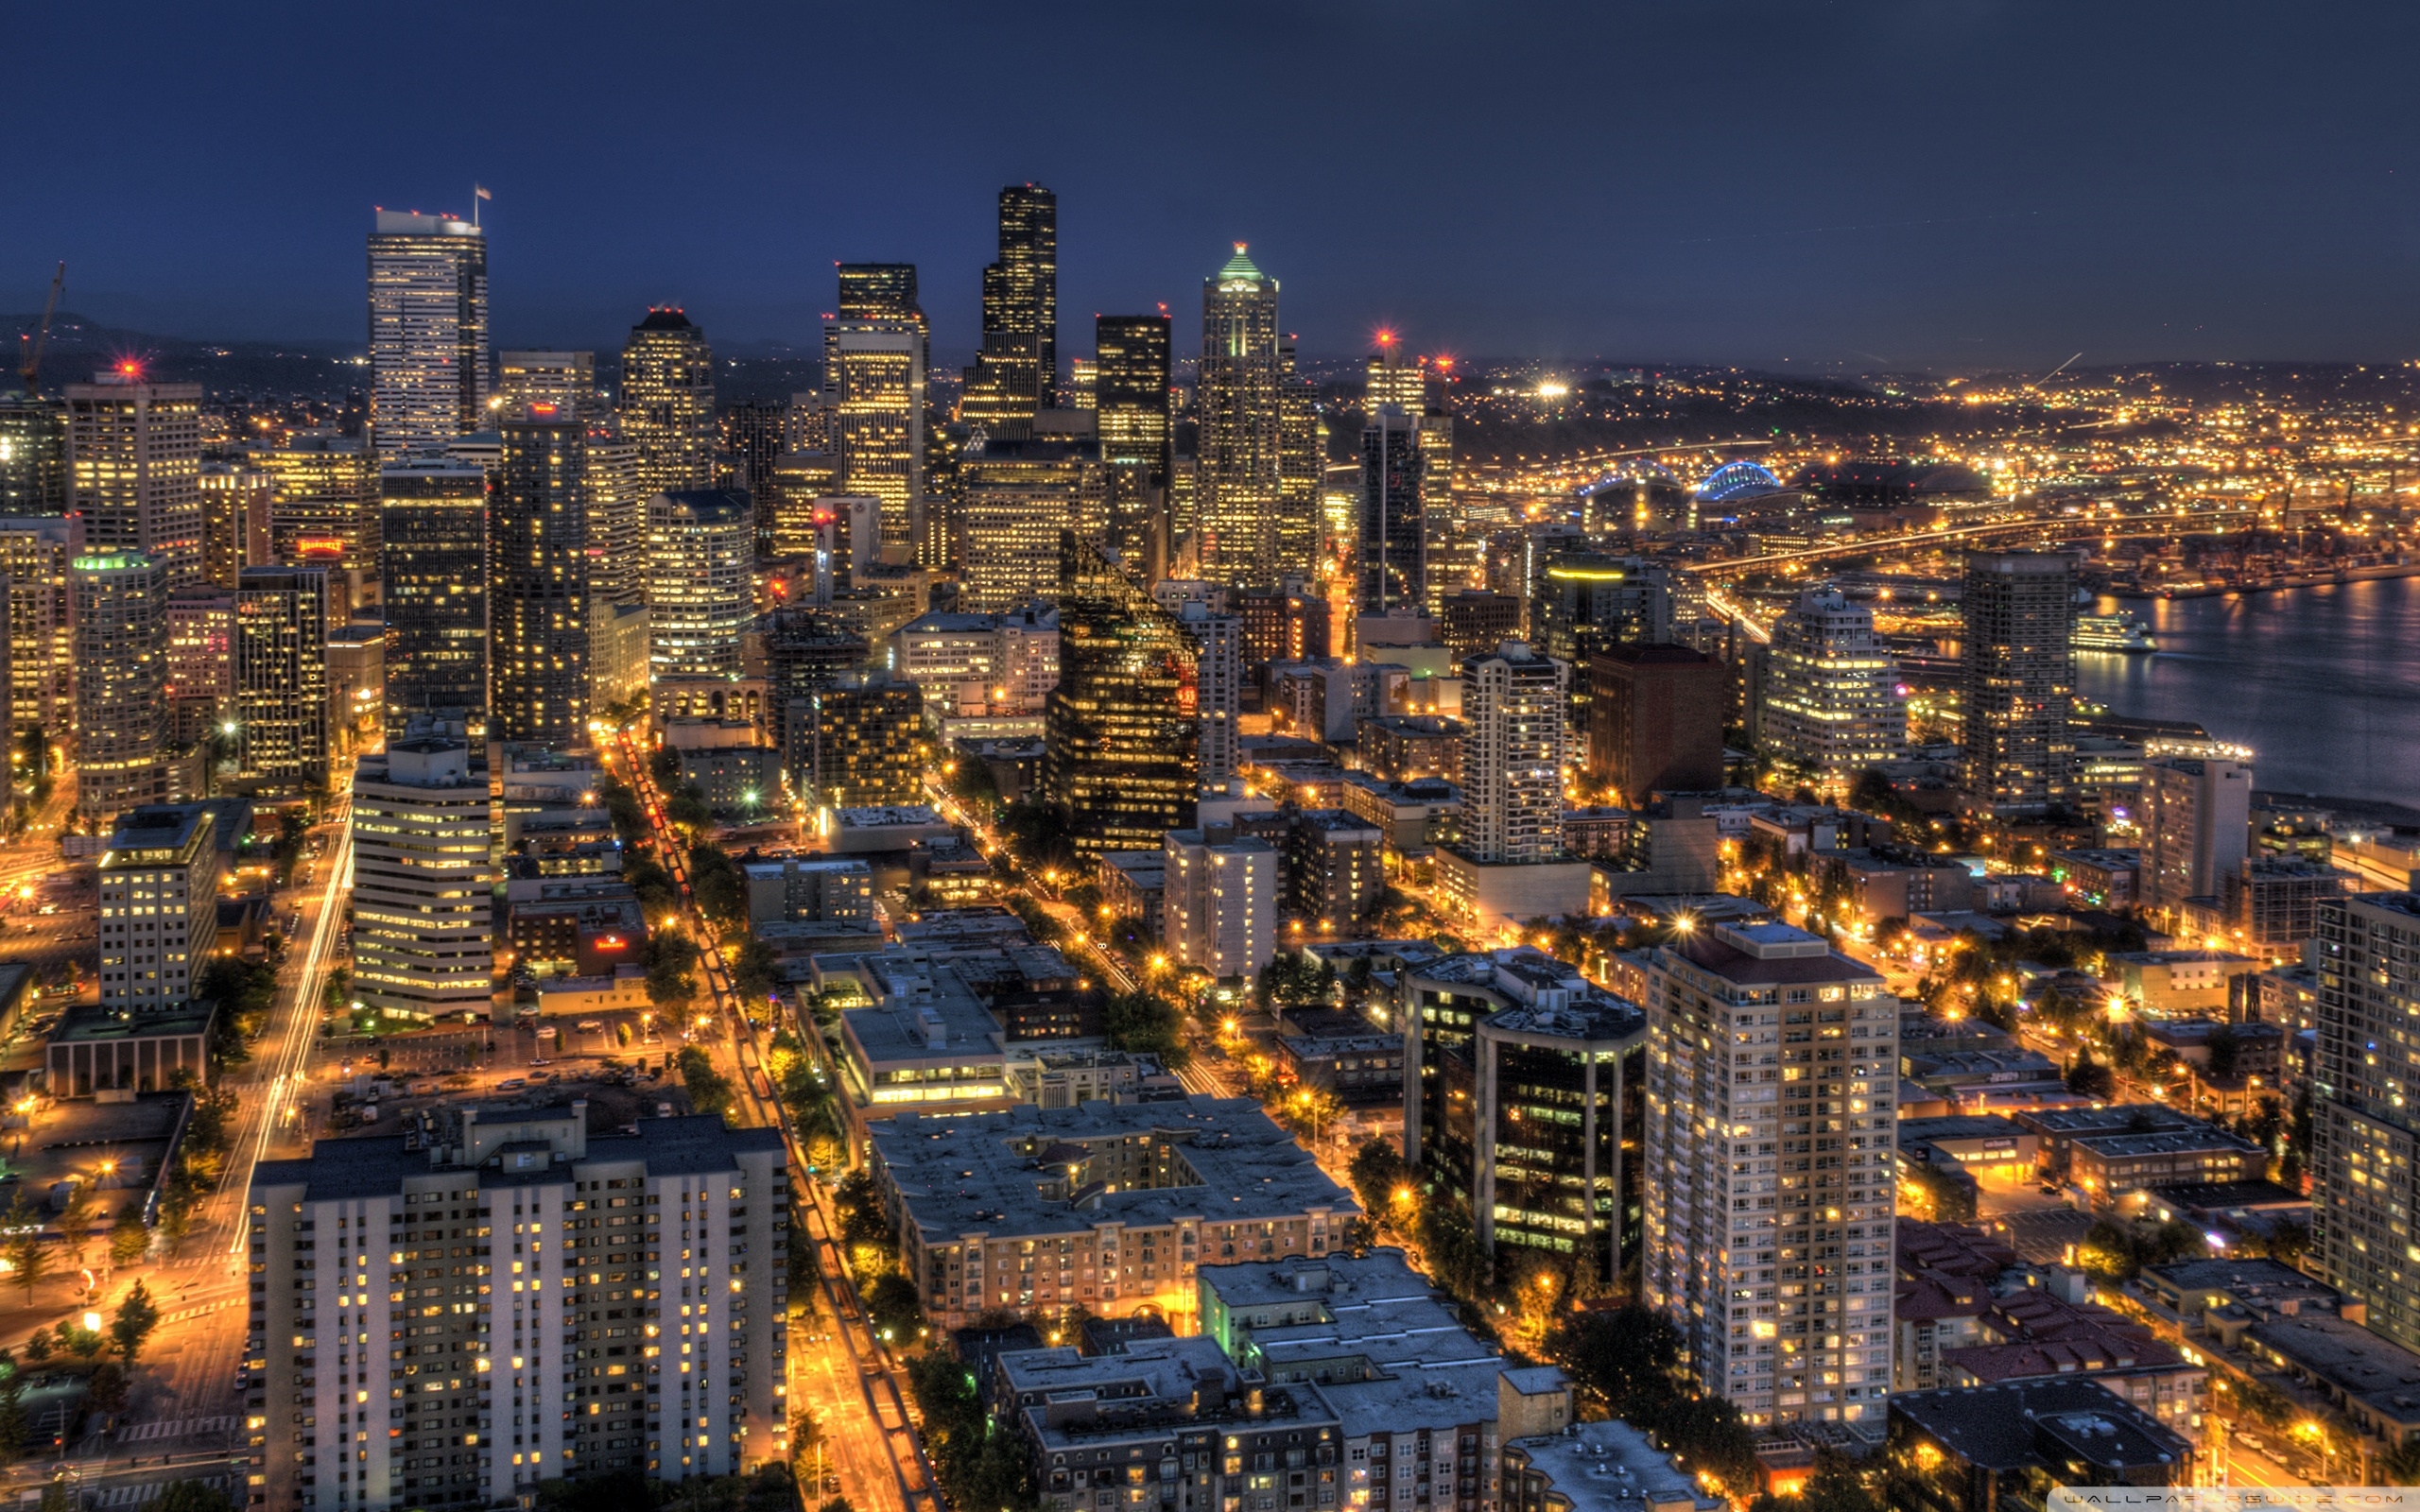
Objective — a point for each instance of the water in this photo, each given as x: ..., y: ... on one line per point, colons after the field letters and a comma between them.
x: 2323, y: 684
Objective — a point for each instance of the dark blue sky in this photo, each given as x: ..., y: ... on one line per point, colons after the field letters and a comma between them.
x: 1955, y: 182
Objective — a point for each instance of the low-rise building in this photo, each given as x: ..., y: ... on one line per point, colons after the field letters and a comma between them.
x: 1133, y: 885
x: 814, y: 888
x: 2102, y: 878
x: 2367, y: 1377
x: 1415, y: 817
x: 1362, y: 1070
x: 2180, y: 981
x: 1987, y: 1448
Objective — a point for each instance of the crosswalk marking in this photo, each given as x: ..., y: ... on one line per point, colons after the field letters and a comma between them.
x: 174, y: 1428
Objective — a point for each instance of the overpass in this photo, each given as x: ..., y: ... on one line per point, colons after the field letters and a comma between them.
x: 2131, y: 528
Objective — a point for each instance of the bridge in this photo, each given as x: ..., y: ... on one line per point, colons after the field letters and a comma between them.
x: 2131, y: 528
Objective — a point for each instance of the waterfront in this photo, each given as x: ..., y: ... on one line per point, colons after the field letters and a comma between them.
x: 2322, y: 682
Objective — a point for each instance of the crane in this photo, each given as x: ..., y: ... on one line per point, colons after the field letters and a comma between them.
x: 30, y: 370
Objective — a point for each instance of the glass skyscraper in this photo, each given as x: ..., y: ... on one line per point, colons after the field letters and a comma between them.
x: 538, y: 584
x: 1016, y: 373
x: 667, y: 402
x: 1119, y: 729
x: 434, y: 568
x: 1236, y: 402
x: 1131, y: 380
x: 428, y: 330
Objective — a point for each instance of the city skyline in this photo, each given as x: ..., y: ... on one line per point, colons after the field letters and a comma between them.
x: 1964, y: 189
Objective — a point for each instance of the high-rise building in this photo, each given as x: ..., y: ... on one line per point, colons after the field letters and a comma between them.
x: 2019, y: 679
x: 1513, y: 728
x: 200, y: 684
x: 1120, y: 729
x: 667, y: 402
x: 134, y: 468
x: 878, y: 291
x: 566, y: 380
x: 1776, y: 1302
x: 700, y: 546
x: 754, y: 435
x: 159, y: 907
x: 1237, y: 443
x: 1130, y: 382
x: 1393, y: 554
x: 2363, y: 1123
x: 1302, y: 468
x: 1832, y: 704
x: 422, y: 897
x: 236, y: 501
x: 428, y: 331
x: 121, y: 630
x: 1218, y: 909
x: 381, y: 1216
x: 2197, y: 830
x: 801, y: 482
x: 873, y: 389
x: 324, y: 501
x: 37, y: 557
x: 1016, y: 373
x: 433, y: 534
x: 1219, y: 689
x: 538, y: 587
x: 1656, y: 719
x: 282, y: 674
x: 616, y: 519
x: 1084, y: 383
x: 33, y: 455
x: 868, y: 746
x: 1019, y: 496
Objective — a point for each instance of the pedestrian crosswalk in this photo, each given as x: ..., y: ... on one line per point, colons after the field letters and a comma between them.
x: 129, y: 1494
x: 174, y: 1428
x: 201, y: 1310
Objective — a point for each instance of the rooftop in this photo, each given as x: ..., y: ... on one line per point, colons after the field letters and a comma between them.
x: 1610, y: 1467
x: 2025, y: 1424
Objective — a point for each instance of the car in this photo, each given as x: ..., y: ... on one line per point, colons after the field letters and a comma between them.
x: 48, y: 908
x: 831, y: 1484
x: 2050, y: 1189
x: 513, y: 1084
x: 541, y: 1061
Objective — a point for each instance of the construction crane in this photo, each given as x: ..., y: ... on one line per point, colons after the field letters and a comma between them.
x: 30, y: 369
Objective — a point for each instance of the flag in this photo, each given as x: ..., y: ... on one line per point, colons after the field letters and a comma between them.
x: 480, y: 192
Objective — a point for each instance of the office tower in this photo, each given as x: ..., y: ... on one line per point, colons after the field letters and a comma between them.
x: 616, y: 519
x: 134, y: 468
x: 2019, y: 681
x: 37, y: 554
x: 1218, y: 907
x: 1581, y: 602
x: 874, y: 389
x: 1219, y: 689
x: 1017, y: 371
x: 1473, y: 619
x: 754, y: 433
x: 1525, y: 1096
x: 1727, y: 1002
x: 801, y: 480
x: 1019, y: 497
x: 433, y: 569
x: 1084, y: 383
x: 379, y: 1218
x: 1655, y: 717
x: 1130, y: 382
x: 33, y: 455
x: 324, y: 500
x: 807, y: 427
x: 699, y: 545
x: 235, y: 499
x: 879, y: 292
x: 1456, y: 551
x: 980, y: 664
x: 1120, y: 731
x: 199, y: 683
x: 1512, y: 726
x: 538, y: 587
x: 1832, y: 704
x: 2364, y: 1177
x: 1283, y: 625
x: 667, y: 402
x: 422, y: 897
x: 869, y: 745
x: 121, y: 629
x: 282, y: 674
x: 806, y: 649
x: 1237, y: 443
x: 2197, y: 830
x: 158, y: 903
x: 428, y: 331
x: 1393, y: 538
x: 1302, y: 468
x: 566, y: 380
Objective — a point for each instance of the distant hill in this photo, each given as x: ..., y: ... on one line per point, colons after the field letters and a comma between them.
x: 80, y: 347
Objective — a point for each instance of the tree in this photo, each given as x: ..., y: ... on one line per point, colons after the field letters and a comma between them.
x: 1146, y: 1024
x: 1292, y: 978
x: 1628, y: 1358
x: 14, y: 1431
x: 894, y: 1306
x: 75, y: 1219
x: 24, y: 1247
x: 136, y: 1319
x: 755, y: 970
x: 1456, y: 1257
x: 2088, y: 1077
x: 671, y: 957
x: 128, y: 1237
x: 38, y: 1350
x: 721, y: 889
x: 107, y: 1387
x: 83, y: 1342
x: 710, y: 1091
x: 1378, y: 1173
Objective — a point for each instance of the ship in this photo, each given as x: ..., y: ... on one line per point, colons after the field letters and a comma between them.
x: 2113, y: 632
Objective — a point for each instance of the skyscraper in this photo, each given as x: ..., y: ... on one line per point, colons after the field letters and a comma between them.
x: 667, y: 406
x: 37, y: 557
x: 234, y: 519
x: 1655, y: 717
x: 158, y: 890
x: 1513, y: 727
x: 33, y: 455
x: 121, y: 617
x: 1119, y: 729
x: 617, y: 518
x: 883, y: 292
x: 324, y: 500
x: 701, y: 545
x: 2363, y: 1122
x: 282, y: 674
x: 868, y: 742
x: 1394, y: 538
x: 434, y: 573
x: 1219, y: 684
x: 423, y: 942
x: 1237, y: 440
x: 2019, y: 679
x: 1130, y: 382
x: 566, y: 380
x: 1020, y: 496
x: 874, y: 389
x: 1832, y: 704
x: 428, y: 331
x: 1302, y: 468
x: 200, y: 685
x: 1017, y: 371
x: 1726, y: 1230
x: 2197, y: 830
x: 537, y: 588
x: 752, y: 440
x: 134, y: 468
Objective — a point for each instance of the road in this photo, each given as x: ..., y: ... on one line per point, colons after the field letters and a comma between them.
x: 847, y: 1378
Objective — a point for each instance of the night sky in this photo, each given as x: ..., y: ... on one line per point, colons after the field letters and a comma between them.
x: 1946, y: 183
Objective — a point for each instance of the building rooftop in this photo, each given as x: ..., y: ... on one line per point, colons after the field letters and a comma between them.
x: 378, y: 1165
x: 2035, y: 1424
x: 2344, y: 1355
x: 1609, y: 1466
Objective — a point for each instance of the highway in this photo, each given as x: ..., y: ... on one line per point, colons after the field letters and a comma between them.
x: 858, y: 1393
x: 2215, y: 521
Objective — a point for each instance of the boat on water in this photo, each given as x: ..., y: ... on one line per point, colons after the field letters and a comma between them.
x: 2112, y: 632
